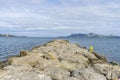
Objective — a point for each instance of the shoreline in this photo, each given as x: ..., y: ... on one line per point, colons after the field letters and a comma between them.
x: 61, y: 56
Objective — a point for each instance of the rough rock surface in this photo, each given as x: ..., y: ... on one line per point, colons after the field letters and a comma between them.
x: 58, y: 60
x: 88, y: 74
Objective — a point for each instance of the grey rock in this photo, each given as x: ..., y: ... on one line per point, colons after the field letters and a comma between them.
x: 57, y: 73
x: 107, y: 69
x: 24, y: 76
x: 89, y: 74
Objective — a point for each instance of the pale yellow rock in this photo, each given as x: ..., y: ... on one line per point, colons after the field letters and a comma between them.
x: 115, y: 79
x: 24, y: 76
x: 23, y: 67
x: 59, y: 60
x: 44, y: 63
x: 68, y: 65
x: 52, y: 55
x: 57, y: 73
x: 3, y: 72
x: 31, y: 60
x: 71, y: 66
x: 76, y: 58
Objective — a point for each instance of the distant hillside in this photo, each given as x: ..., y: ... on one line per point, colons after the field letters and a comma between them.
x: 92, y: 35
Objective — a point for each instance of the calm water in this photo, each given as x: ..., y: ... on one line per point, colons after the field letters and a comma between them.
x: 10, y: 46
x: 109, y: 47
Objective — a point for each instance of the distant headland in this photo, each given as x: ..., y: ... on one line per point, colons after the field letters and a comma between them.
x: 9, y: 35
x: 92, y: 35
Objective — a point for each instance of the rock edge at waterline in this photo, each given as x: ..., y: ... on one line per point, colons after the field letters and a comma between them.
x: 58, y: 60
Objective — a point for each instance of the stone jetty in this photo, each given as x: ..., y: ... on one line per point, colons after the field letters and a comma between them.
x: 58, y: 60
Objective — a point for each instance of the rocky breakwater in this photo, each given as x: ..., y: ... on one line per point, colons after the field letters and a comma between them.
x: 58, y: 60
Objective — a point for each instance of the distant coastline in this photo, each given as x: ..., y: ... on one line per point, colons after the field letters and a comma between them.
x: 77, y: 35
x: 91, y: 35
x: 8, y: 35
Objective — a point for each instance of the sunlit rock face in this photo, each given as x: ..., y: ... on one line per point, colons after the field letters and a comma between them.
x: 58, y: 60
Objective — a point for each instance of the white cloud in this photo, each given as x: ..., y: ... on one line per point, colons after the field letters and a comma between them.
x: 74, y: 15
x: 53, y: 28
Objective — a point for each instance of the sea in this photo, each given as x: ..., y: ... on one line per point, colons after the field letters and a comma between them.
x: 11, y: 46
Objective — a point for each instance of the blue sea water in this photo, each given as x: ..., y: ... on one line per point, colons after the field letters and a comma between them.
x: 10, y: 46
x: 110, y: 47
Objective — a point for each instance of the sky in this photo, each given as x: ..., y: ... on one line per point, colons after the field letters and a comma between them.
x: 49, y: 18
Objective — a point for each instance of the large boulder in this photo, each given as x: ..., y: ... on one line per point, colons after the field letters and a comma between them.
x: 72, y: 78
x: 24, y: 53
x: 44, y: 63
x: 11, y: 75
x: 110, y: 71
x: 24, y: 67
x: 32, y: 59
x: 71, y: 66
x: 57, y: 73
x: 88, y: 74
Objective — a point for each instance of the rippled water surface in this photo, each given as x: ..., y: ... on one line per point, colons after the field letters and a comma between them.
x: 10, y: 46
x: 109, y: 47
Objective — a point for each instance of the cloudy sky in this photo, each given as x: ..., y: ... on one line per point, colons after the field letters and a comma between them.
x: 59, y: 17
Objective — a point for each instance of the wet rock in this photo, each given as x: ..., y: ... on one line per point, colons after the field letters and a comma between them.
x: 100, y: 57
x: 113, y: 63
x: 4, y: 64
x: 23, y: 53
x: 94, y: 61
